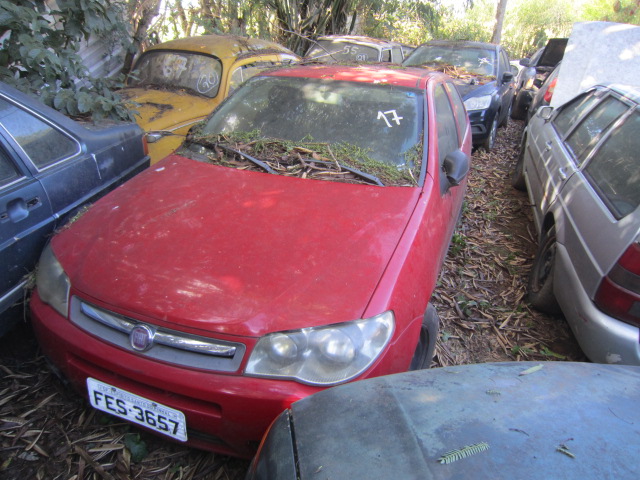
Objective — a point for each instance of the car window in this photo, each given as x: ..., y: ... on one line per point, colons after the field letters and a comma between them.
x: 613, y: 169
x: 396, y: 55
x: 459, y: 110
x: 245, y: 72
x: 586, y: 135
x: 476, y: 60
x: 178, y: 70
x: 43, y: 144
x: 330, y: 51
x: 572, y: 111
x: 8, y: 171
x: 504, y: 62
x: 447, y: 131
x: 385, y: 55
x: 385, y: 121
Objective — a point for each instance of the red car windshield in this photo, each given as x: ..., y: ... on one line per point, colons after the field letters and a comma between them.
x: 384, y: 121
x: 197, y: 73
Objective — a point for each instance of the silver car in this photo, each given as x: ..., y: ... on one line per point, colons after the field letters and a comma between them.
x: 581, y: 167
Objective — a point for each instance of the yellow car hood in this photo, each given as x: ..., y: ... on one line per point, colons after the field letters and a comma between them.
x: 168, y: 110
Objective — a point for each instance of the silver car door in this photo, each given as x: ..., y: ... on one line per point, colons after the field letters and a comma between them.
x: 600, y: 203
x: 549, y: 161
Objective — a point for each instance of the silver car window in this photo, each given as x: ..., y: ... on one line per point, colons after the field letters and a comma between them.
x: 614, y: 170
x: 586, y: 135
x: 572, y: 111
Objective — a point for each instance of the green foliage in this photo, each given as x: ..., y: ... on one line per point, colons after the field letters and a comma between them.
x: 621, y: 11
x: 136, y: 446
x: 296, y: 21
x: 39, y: 55
x: 458, y: 244
x: 455, y: 455
x: 407, y: 22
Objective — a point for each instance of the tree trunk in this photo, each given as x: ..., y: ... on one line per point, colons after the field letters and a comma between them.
x: 497, y: 30
x: 149, y: 9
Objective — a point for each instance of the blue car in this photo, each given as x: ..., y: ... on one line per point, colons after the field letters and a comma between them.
x: 482, y: 73
x: 50, y: 166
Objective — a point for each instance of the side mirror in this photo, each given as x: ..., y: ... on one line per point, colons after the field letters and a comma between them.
x: 455, y: 167
x: 524, y: 62
x: 507, y: 77
x: 545, y: 112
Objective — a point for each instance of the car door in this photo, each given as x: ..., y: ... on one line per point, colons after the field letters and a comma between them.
x: 451, y: 131
x: 506, y: 84
x: 600, y: 201
x: 548, y: 161
x: 25, y: 220
x: 67, y: 170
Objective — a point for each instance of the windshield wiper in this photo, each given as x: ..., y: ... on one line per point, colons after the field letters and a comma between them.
x: 253, y: 160
x: 367, y: 176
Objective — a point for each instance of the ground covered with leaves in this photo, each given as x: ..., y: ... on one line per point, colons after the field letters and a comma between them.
x: 48, y: 432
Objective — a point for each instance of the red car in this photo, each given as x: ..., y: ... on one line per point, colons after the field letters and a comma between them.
x: 291, y: 244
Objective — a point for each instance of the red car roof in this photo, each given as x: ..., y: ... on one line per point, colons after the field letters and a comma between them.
x: 401, y: 76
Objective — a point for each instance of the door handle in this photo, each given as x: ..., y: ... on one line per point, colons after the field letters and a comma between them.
x: 562, y: 173
x: 18, y: 209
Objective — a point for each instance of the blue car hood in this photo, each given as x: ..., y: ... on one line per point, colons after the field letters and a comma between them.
x: 472, y: 88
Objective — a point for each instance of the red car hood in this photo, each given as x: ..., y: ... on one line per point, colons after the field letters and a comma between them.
x: 236, y: 252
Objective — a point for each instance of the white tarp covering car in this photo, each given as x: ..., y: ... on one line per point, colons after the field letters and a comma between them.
x: 598, y: 53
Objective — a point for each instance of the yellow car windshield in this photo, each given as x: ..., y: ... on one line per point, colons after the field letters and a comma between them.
x: 200, y: 74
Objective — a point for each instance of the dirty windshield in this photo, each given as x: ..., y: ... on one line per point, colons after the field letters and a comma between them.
x: 328, y: 51
x: 476, y: 60
x: 178, y: 70
x: 360, y: 128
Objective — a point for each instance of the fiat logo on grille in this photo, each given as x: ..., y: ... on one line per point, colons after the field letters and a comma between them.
x: 141, y: 338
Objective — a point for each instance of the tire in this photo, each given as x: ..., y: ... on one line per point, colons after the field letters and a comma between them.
x: 425, y: 350
x: 519, y: 109
x: 541, y: 294
x: 490, y: 141
x: 517, y: 175
x: 505, y: 121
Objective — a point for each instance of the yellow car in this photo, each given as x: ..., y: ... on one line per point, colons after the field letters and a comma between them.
x: 178, y: 83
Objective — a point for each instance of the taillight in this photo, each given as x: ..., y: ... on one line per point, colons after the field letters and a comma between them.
x: 619, y: 292
x: 549, y: 93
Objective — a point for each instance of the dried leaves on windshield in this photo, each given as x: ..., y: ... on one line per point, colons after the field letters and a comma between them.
x: 304, y: 159
x: 459, y: 73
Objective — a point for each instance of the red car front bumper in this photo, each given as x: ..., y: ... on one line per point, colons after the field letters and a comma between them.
x: 225, y: 413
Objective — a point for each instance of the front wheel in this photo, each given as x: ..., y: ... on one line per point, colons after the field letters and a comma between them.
x: 491, y: 138
x: 541, y: 294
x: 427, y: 341
x: 505, y: 121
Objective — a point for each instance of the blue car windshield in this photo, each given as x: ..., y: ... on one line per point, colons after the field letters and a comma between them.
x: 384, y: 120
x: 476, y: 60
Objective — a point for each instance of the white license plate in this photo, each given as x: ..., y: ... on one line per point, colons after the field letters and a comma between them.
x: 136, y: 409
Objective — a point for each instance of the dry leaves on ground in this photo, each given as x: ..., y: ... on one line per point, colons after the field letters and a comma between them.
x: 481, y: 296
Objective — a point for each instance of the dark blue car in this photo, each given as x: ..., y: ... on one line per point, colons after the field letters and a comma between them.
x: 50, y: 166
x: 483, y: 75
